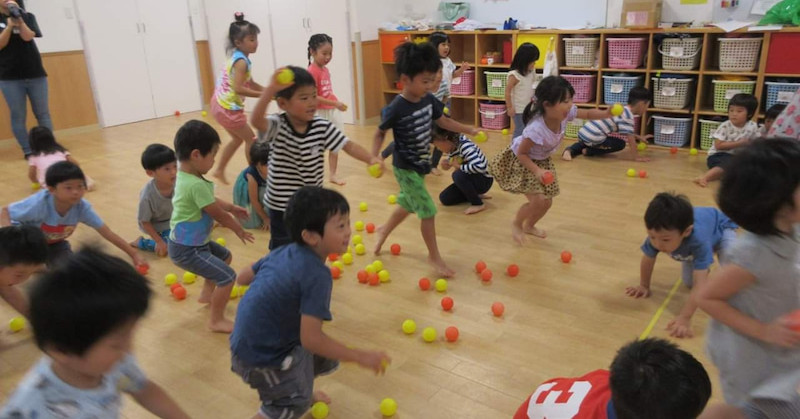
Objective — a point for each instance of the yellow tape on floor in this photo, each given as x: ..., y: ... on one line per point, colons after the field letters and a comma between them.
x: 660, y: 310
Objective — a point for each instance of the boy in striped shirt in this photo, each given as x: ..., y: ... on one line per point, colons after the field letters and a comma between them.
x: 471, y: 179
x: 594, y: 137
x: 298, y: 140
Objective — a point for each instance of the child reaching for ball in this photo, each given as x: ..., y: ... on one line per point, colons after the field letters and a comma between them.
x: 525, y: 167
x: 751, y: 340
x: 470, y: 178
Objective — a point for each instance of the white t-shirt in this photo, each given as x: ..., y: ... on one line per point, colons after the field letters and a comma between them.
x: 729, y: 132
x: 522, y: 93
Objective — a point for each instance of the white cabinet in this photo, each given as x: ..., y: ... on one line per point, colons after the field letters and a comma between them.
x: 141, y: 58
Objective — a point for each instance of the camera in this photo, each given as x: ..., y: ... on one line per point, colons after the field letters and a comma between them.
x: 14, y: 10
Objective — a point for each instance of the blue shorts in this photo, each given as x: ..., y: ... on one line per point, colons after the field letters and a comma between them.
x: 209, y: 261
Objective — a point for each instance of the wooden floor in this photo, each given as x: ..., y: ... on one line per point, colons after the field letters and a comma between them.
x: 560, y: 320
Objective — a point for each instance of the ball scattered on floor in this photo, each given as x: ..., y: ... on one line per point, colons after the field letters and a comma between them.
x: 374, y: 170
x: 179, y: 293
x: 357, y: 239
x: 447, y: 303
x: 374, y: 280
x: 338, y: 264
x: 498, y: 309
x: 170, y: 279
x: 347, y: 258
x: 378, y: 265
x: 409, y: 326
x: 673, y: 150
x: 424, y: 284
x: 429, y: 334
x: 359, y: 226
x: 693, y: 151
x: 371, y: 269
x: 370, y: 228
x: 504, y: 131
x: 631, y: 172
x: 388, y: 407
x: 319, y: 410
x: 480, y: 266
x: 383, y: 275
x: 441, y: 285
x: 512, y: 270
x: 643, y: 174
x: 451, y: 334
x: 486, y: 275
x: 566, y: 256
x: 395, y: 249
x: 641, y: 146
x: 360, y: 249
x: 481, y: 137
x: 362, y: 206
x: 362, y: 276
x: 392, y: 199
x: 336, y: 272
x: 221, y: 241
x: 204, y: 113
x: 142, y: 269
x: 189, y: 278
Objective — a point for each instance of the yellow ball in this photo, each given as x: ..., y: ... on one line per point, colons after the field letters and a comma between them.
x: 170, y: 279
x: 357, y: 239
x: 378, y: 265
x: 693, y: 151
x: 360, y: 249
x: 374, y: 170
x: 481, y: 137
x: 189, y: 278
x: 362, y: 206
x: 641, y: 146
x: 221, y: 241
x: 36, y: 186
x: 441, y: 285
x: 286, y: 76
x: 371, y: 269
x: 631, y: 173
x: 504, y: 131
x: 338, y: 264
x: 429, y: 334
x: 617, y: 109
x: 359, y: 227
x: 392, y: 199
x: 319, y: 410
x: 388, y: 407
x: 409, y: 326
x: 349, y: 250
x: 234, y: 292
x: 383, y: 275
x: 347, y: 258
x: 16, y: 324
x: 446, y: 110
x: 204, y: 113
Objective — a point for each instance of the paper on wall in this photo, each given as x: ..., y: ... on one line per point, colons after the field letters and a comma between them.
x: 761, y: 7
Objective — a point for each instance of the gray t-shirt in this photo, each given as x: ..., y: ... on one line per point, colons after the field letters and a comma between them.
x: 749, y: 367
x: 154, y: 207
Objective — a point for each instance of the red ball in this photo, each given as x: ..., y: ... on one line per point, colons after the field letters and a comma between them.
x: 512, y: 270
x: 374, y: 280
x: 179, y: 293
x: 424, y: 284
x: 486, y: 275
x: 177, y: 113
x: 643, y: 173
x: 566, y: 256
x: 451, y: 334
x: 363, y: 277
x: 480, y: 266
x: 673, y: 150
x: 333, y: 257
x: 335, y: 272
x: 175, y: 285
x: 142, y: 269
x: 370, y: 228
x: 547, y: 178
x: 447, y: 303
x: 395, y: 249
x: 794, y: 320
x: 498, y: 308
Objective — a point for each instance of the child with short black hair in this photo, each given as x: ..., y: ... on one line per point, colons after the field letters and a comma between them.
x: 195, y: 208
x: 471, y: 179
x: 594, y: 138
x: 520, y: 84
x: 297, y: 139
x: 83, y: 314
x: 155, y: 199
x: 752, y: 340
x: 251, y: 186
x: 732, y: 134
x: 23, y: 251
x: 688, y: 234
x: 57, y: 211
x: 410, y: 117
x: 45, y: 151
x: 769, y: 118
x: 278, y: 346
x: 650, y: 378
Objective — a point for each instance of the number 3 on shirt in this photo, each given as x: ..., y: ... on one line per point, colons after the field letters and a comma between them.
x: 548, y: 402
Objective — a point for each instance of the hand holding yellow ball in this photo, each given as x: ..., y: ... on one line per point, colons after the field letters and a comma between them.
x: 285, y: 76
x: 616, y: 109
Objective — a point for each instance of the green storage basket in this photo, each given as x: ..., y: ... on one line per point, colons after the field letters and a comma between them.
x: 707, y: 127
x: 573, y: 127
x: 496, y: 84
x: 724, y: 90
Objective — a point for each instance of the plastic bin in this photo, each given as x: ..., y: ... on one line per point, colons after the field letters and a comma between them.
x: 464, y: 85
x: 389, y: 43
x: 680, y: 53
x: 493, y: 115
x: 626, y: 52
x: 738, y: 54
x: 707, y: 127
x: 671, y: 132
x: 585, y: 86
x: 672, y: 92
x: 779, y: 92
x: 573, y: 127
x: 616, y: 88
x: 724, y: 90
x: 496, y: 84
x: 580, y: 52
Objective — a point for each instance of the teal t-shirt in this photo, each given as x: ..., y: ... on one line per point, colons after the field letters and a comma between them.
x: 190, y: 225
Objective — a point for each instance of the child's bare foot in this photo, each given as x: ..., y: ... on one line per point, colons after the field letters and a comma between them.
x: 380, y: 234
x: 320, y: 396
x: 336, y: 180
x: 220, y: 176
x: 518, y: 234
x: 566, y: 155
x: 221, y: 326
x: 485, y: 196
x: 436, y: 172
x: 474, y: 209
x: 441, y: 267
x: 700, y: 181
x: 536, y: 232
x: 135, y: 242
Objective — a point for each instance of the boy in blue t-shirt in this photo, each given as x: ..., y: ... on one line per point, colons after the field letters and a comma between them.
x: 687, y: 234
x: 58, y: 210
x: 277, y: 344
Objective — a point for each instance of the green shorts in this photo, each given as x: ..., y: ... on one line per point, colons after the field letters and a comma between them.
x: 413, y: 196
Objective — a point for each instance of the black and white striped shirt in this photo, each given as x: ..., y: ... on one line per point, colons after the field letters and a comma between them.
x: 411, y: 123
x: 295, y: 159
x: 473, y: 161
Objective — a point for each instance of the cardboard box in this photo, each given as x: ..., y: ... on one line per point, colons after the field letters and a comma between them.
x: 641, y: 14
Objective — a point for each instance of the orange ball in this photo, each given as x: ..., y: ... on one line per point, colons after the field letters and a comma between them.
x: 175, y: 285
x: 177, y: 113
x: 486, y: 275
x: 547, y: 178
x: 395, y: 249
x: 794, y: 320
x: 643, y: 173
x: 336, y: 272
x: 373, y: 279
x: 333, y: 257
x: 480, y: 266
x: 451, y: 334
x: 447, y: 303
x: 673, y: 150
x: 498, y: 308
x: 142, y: 269
x: 370, y: 228
x: 512, y: 270
x: 566, y: 256
x: 179, y: 293
x: 363, y: 277
x: 424, y: 284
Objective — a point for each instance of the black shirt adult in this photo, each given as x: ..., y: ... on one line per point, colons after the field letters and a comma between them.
x: 20, y: 59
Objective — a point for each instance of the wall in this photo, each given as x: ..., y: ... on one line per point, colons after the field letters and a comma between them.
x: 56, y: 18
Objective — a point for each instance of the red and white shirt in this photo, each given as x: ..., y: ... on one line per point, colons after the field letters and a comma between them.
x: 585, y: 397
x: 324, y: 87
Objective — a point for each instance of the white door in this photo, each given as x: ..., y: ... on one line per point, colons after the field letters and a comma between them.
x: 115, y: 54
x: 330, y: 17
x: 291, y: 30
x: 171, y: 56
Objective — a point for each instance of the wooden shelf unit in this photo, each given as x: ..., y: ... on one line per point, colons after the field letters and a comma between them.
x: 470, y: 46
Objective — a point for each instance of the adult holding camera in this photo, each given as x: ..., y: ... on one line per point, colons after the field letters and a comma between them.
x: 22, y: 75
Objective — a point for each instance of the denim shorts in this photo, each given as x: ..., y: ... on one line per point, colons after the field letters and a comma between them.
x: 208, y: 261
x: 286, y: 392
x: 718, y: 159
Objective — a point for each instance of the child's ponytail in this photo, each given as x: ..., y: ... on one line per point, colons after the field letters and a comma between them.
x: 238, y: 30
x: 553, y: 90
